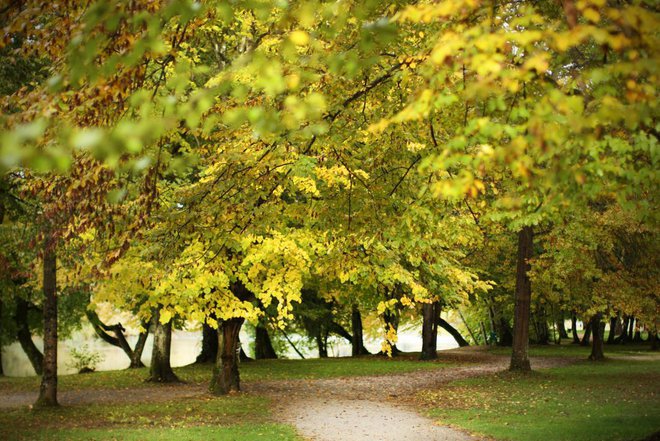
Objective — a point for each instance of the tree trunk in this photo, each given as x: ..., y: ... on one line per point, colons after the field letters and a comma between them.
x: 610, y: 337
x: 136, y: 356
x: 587, y: 335
x: 576, y: 338
x: 263, y: 347
x: 598, y: 331
x: 653, y: 336
x: 430, y: 314
x: 357, y: 342
x: 453, y: 332
x: 321, y: 343
x: 484, y: 334
x: 392, y: 320
x: 161, y: 369
x: 623, y: 337
x: 561, y: 327
x: 505, y: 333
x: 48, y: 388
x: 519, y: 356
x: 209, y: 351
x: 119, y: 340
x: 638, y: 333
x: 226, y: 377
x: 24, y: 336
x: 631, y: 327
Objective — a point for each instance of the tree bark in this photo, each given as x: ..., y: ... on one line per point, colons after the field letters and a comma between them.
x: 48, y: 388
x: 392, y: 319
x: 586, y: 338
x: 209, y: 351
x: 519, y: 355
x: 453, y: 332
x: 598, y: 330
x: 623, y: 337
x: 161, y: 369
x: 226, y: 377
x: 430, y: 316
x: 119, y: 340
x: 576, y: 338
x: 263, y: 347
x: 561, y: 327
x: 610, y: 337
x: 357, y: 340
x: 24, y: 336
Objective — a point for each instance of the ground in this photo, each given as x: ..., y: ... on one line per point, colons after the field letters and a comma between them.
x: 464, y: 396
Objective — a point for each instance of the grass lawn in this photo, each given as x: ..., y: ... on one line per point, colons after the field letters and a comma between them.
x: 250, y: 371
x: 237, y: 417
x: 566, y: 349
x: 611, y: 400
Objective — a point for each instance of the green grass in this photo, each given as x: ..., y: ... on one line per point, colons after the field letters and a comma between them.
x: 223, y: 418
x: 251, y: 371
x: 612, y: 400
x: 261, y: 432
x: 566, y: 349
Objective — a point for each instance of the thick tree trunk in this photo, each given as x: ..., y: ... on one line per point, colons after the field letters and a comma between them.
x: 453, y: 332
x: 430, y: 315
x: 598, y: 330
x: 576, y: 338
x: 610, y: 337
x: 586, y: 338
x: 519, y: 356
x: 209, y: 351
x: 48, y: 388
x: 357, y: 340
x: 263, y: 347
x: 226, y: 377
x: 161, y: 369
x: 24, y: 336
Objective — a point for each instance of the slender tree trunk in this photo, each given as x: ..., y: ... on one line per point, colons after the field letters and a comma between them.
x: 209, y: 351
x: 430, y: 314
x: 561, y: 327
x: 467, y: 326
x: 48, y: 388
x: 638, y: 333
x: 226, y: 377
x: 263, y: 347
x: 587, y: 335
x: 392, y: 320
x: 484, y: 334
x: 519, y: 356
x: 623, y: 337
x: 161, y: 369
x: 453, y: 332
x: 136, y: 356
x: 119, y: 340
x: 631, y: 327
x: 610, y: 337
x: 321, y: 344
x: 653, y: 336
x: 357, y: 341
x: 576, y: 338
x: 24, y: 336
x: 598, y: 331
